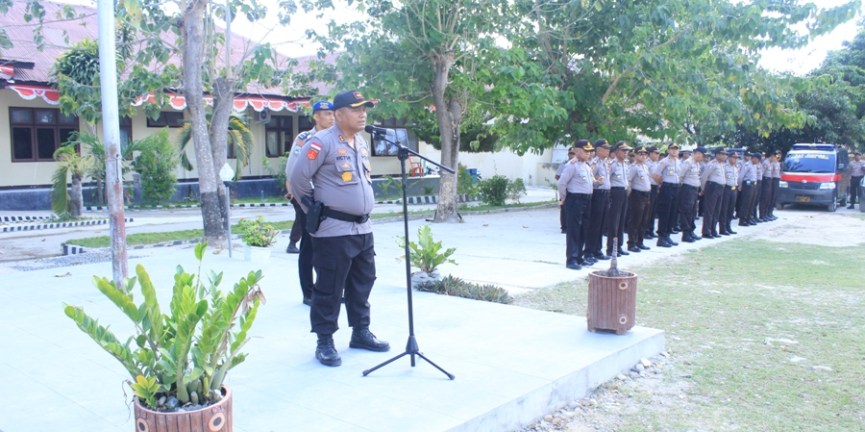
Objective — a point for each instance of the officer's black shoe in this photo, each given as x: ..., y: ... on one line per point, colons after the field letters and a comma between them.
x: 648, y: 235
x: 325, y: 352
x: 662, y: 242
x: 634, y: 249
x: 622, y: 252
x: 695, y: 237
x: 672, y: 243
x: 675, y: 230
x: 364, y: 339
x: 850, y: 206
x: 715, y: 234
x: 643, y: 247
x: 687, y: 239
x: 573, y: 265
x: 589, y: 260
x: 601, y: 257
x: 731, y: 232
x: 292, y: 249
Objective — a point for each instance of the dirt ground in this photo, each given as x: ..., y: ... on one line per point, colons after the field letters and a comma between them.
x: 662, y: 381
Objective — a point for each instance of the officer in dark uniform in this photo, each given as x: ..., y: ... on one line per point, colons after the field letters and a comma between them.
x: 667, y: 174
x: 638, y: 200
x: 336, y: 162
x: 575, y: 193
x: 748, y: 182
x: 322, y: 115
x: 731, y: 186
x: 713, y: 180
x: 688, y: 192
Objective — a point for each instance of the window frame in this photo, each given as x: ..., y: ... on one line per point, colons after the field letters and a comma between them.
x: 61, y: 122
x: 281, y: 125
x: 169, y: 119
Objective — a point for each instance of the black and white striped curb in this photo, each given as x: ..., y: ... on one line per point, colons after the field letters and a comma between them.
x: 430, y: 199
x: 56, y: 225
x: 185, y: 206
x: 71, y: 249
x: 25, y: 218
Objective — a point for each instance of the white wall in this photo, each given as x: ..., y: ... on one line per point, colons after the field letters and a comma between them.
x: 534, y: 169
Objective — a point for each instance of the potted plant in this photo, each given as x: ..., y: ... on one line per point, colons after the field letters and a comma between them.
x: 258, y: 236
x: 426, y: 256
x: 177, y: 361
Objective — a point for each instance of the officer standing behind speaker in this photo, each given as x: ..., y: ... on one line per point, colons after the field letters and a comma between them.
x: 618, y: 200
x: 668, y: 176
x: 638, y: 200
x: 322, y: 115
x: 600, y: 200
x: 336, y: 162
x: 575, y: 193
x: 731, y: 186
x: 713, y: 180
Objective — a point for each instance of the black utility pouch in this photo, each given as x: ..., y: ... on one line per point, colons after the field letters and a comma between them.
x: 314, y: 214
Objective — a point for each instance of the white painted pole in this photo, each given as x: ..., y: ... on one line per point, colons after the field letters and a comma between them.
x: 111, y: 138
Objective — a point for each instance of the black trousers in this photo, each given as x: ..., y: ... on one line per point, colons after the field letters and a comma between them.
x: 562, y: 217
x: 296, y: 233
x: 728, y: 206
x: 854, y: 189
x: 597, y: 217
x: 746, y: 212
x: 765, y: 196
x: 615, y: 226
x: 345, y: 267
x: 649, y: 221
x: 304, y: 259
x: 577, y: 208
x: 638, y: 208
x: 666, y: 208
x: 687, y: 207
x: 712, y: 212
x: 755, y: 201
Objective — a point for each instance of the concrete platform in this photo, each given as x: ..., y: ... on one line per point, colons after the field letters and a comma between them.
x: 512, y: 364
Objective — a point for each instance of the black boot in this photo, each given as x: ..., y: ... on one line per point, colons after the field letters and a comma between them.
x: 364, y: 339
x: 325, y: 352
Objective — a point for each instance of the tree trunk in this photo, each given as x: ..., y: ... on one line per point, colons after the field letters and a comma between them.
x: 448, y: 121
x: 193, y: 88
x: 223, y: 101
x: 76, y: 198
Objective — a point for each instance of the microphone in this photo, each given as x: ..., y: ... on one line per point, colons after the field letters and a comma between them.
x: 370, y: 129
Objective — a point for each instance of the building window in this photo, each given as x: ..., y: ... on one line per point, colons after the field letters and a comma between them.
x: 38, y: 132
x: 125, y: 135
x: 278, y: 135
x: 172, y: 119
x: 400, y: 134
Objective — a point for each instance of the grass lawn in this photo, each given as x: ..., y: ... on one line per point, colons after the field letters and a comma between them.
x: 763, y: 336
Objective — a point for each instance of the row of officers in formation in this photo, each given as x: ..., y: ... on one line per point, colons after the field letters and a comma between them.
x: 609, y: 190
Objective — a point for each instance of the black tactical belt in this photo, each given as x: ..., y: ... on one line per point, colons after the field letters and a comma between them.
x: 331, y: 213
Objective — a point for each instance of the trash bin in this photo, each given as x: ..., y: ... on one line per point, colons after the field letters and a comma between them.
x: 474, y: 173
x: 612, y: 303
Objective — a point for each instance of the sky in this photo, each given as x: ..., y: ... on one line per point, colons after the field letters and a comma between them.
x: 291, y: 41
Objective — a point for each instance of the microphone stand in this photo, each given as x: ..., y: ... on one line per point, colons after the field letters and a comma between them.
x: 411, y: 348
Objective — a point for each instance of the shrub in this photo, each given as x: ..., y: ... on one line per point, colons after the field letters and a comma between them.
x: 516, y: 189
x: 494, y: 190
x: 454, y: 286
x: 156, y: 164
x: 427, y: 254
x: 465, y: 186
x: 256, y: 232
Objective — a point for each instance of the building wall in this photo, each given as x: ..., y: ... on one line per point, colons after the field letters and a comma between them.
x: 534, y: 169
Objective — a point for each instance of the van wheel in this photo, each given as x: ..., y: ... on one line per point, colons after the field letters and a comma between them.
x: 832, y: 206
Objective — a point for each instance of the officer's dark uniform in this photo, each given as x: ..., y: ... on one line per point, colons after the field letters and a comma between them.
x: 668, y: 171
x: 298, y: 230
x: 618, y: 201
x: 766, y: 190
x: 575, y: 188
x: 748, y: 181
x: 343, y: 253
x: 688, y: 192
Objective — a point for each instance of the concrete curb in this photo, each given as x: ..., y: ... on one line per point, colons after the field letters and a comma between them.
x: 56, y: 225
x: 72, y: 249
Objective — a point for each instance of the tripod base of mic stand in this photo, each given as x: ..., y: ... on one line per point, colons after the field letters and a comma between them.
x: 411, y: 349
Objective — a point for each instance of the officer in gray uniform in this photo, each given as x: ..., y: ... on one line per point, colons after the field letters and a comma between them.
x: 336, y: 161
x: 322, y: 114
x: 731, y: 186
x: 712, y: 181
x: 857, y: 171
x: 748, y: 182
x: 688, y: 193
x: 600, y: 200
x: 638, y: 200
x: 575, y: 193
x: 652, y: 165
x: 776, y: 183
x: 559, y: 175
x: 766, y: 187
x: 618, y: 199
x: 667, y: 174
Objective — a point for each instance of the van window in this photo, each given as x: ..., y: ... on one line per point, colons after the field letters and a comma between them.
x: 821, y: 163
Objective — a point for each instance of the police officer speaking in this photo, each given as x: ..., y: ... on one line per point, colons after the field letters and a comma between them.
x: 336, y: 161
